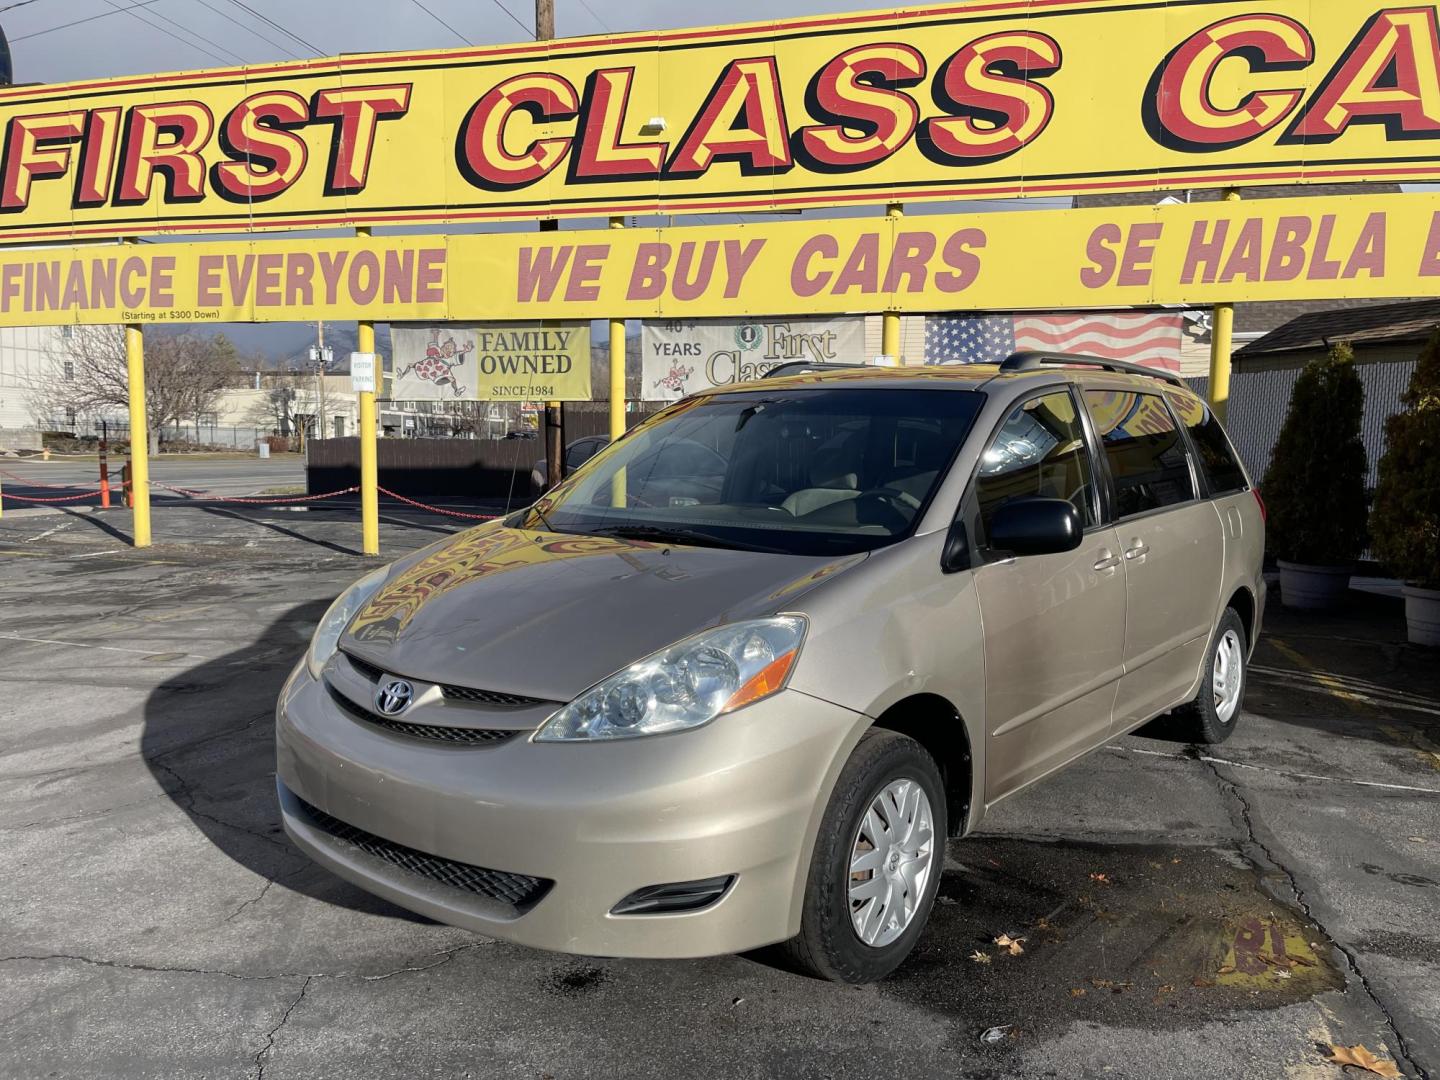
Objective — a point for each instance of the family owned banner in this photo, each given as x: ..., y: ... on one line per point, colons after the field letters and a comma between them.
x: 491, y: 362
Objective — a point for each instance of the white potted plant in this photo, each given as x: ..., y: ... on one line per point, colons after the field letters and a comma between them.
x: 1315, y: 486
x: 1406, y: 519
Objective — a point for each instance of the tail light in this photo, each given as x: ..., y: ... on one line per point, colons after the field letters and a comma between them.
x: 1264, y: 514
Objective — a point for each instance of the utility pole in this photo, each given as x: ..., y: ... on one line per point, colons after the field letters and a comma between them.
x: 554, y: 437
x: 320, y: 378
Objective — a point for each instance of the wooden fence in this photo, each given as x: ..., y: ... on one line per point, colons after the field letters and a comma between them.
x: 489, y: 469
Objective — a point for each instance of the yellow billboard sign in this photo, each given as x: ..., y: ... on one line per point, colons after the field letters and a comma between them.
x: 967, y: 100
x: 1179, y: 254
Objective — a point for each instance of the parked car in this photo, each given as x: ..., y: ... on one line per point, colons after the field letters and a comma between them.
x: 576, y: 454
x: 738, y: 679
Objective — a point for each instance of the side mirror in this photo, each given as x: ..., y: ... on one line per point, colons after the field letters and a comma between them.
x: 1036, y: 526
x: 956, y: 555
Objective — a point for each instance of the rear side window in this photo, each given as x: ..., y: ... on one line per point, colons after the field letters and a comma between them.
x: 1218, y: 462
x: 1040, y: 450
x: 1144, y: 448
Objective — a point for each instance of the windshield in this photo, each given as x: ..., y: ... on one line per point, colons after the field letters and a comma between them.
x: 806, y: 471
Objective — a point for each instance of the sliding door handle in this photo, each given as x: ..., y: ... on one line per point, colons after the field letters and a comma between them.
x: 1106, y: 561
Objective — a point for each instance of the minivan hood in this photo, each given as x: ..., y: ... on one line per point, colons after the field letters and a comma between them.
x: 548, y: 614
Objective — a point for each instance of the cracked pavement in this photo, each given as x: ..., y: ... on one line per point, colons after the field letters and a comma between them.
x: 1220, y: 913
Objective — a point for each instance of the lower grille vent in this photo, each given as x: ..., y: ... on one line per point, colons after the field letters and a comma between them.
x: 520, y: 891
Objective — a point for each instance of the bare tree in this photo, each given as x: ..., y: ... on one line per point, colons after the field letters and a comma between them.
x: 184, y: 376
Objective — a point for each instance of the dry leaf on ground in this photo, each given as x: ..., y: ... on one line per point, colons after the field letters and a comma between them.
x: 1077, y: 992
x: 980, y: 957
x: 1362, y: 1058
x: 1012, y: 945
x: 1103, y: 879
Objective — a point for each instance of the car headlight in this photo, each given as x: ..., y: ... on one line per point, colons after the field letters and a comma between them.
x: 345, y: 608
x: 686, y: 685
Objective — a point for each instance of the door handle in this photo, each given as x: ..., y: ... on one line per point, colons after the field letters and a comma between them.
x: 1138, y: 550
x: 1106, y: 561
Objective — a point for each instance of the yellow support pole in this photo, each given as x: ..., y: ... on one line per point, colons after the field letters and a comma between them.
x: 139, y: 434
x: 617, y: 389
x: 369, y: 464
x: 1222, y: 330
x: 890, y: 320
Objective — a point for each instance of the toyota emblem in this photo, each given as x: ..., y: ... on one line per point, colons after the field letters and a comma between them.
x: 394, y: 697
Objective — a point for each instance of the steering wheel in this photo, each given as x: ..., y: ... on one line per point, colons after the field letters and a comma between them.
x: 899, y: 503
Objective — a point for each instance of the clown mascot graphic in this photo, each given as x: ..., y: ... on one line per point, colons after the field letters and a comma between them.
x: 440, y: 364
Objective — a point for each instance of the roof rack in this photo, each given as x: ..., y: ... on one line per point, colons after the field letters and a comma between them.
x: 1033, y: 361
x: 806, y: 367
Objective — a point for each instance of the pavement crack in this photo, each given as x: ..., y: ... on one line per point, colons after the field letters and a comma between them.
x: 263, y: 1054
x: 1270, y: 859
x: 440, y: 959
x: 186, y: 797
x: 252, y: 901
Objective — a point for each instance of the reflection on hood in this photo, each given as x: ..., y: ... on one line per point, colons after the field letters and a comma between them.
x: 467, y: 559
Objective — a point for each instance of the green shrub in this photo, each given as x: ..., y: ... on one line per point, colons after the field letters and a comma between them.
x: 1315, y: 486
x: 1406, y: 518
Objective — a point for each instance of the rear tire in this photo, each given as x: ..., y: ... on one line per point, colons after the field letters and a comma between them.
x: 1210, y: 717
x: 887, y: 815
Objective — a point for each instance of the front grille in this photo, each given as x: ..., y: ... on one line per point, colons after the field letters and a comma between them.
x: 493, y: 698
x: 490, y: 697
x: 520, y: 891
x: 364, y: 667
x: 458, y: 736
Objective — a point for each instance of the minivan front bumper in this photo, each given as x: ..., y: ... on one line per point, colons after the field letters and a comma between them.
x: 591, y: 822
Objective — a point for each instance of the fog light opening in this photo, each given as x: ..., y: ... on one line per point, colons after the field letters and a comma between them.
x: 676, y: 896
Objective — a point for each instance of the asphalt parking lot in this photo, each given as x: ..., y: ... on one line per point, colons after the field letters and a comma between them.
x: 1183, y: 914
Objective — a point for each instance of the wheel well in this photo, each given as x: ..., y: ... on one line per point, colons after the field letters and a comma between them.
x: 934, y: 723
x: 1244, y: 605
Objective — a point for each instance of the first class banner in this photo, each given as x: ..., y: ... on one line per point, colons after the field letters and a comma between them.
x: 1323, y: 248
x: 992, y: 98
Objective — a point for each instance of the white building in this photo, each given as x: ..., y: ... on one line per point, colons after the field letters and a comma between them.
x: 31, y: 359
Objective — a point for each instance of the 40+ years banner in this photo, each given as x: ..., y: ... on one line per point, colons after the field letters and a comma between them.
x: 955, y: 101
x: 681, y: 356
x: 1385, y: 246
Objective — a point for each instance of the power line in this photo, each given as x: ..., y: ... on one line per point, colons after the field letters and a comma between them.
x: 529, y: 33
x: 21, y: 3
x: 77, y: 22
x: 441, y: 21
x: 272, y: 23
x: 175, y: 36
x: 597, y: 18
x: 247, y: 28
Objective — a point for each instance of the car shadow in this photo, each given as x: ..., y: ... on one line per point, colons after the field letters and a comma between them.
x: 209, y: 741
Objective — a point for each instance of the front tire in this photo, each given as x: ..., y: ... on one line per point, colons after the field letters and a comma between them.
x: 877, y: 862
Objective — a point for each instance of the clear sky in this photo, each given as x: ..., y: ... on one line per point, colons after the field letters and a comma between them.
x: 166, y: 35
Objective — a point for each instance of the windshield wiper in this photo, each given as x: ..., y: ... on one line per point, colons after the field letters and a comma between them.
x: 672, y: 534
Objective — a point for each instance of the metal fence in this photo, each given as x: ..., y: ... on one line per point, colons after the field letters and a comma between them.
x: 1260, y: 398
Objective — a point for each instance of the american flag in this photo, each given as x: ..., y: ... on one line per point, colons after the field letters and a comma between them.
x: 968, y: 339
x: 1149, y: 338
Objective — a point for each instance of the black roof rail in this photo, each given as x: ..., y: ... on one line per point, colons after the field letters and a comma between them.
x: 806, y: 367
x: 1034, y: 360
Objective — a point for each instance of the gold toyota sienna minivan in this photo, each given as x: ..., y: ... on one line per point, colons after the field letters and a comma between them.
x: 737, y: 680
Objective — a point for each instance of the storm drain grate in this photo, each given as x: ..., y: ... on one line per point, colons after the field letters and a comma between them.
x: 520, y: 891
